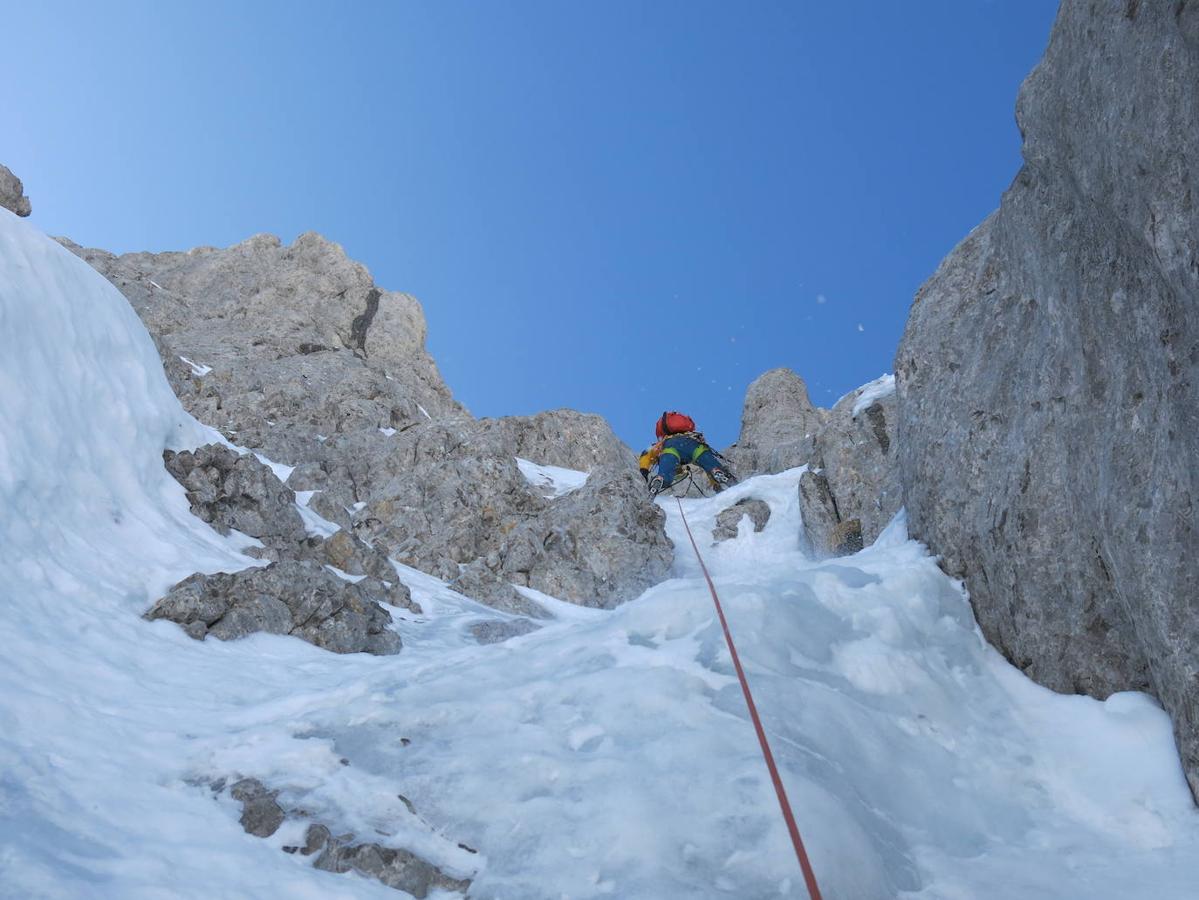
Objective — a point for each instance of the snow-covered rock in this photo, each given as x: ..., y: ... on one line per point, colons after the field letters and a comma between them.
x: 728, y: 523
x: 297, y: 597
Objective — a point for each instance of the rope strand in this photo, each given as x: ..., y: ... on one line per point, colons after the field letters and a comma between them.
x: 801, y: 854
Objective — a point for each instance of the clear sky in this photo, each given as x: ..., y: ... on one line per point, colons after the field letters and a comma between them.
x: 619, y: 207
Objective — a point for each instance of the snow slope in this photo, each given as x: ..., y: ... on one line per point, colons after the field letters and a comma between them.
x: 606, y: 755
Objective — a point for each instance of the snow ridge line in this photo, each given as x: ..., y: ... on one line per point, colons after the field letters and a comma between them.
x: 801, y: 854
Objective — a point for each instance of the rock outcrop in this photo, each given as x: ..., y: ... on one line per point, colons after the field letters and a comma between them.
x: 598, y: 546
x: 262, y: 815
x: 12, y: 193
x: 728, y: 521
x: 297, y: 597
x: 229, y: 490
x: 449, y: 499
x: 396, y: 868
x: 1048, y: 378
x: 851, y: 489
x: 779, y: 425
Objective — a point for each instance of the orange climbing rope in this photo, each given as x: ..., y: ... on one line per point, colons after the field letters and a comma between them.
x: 801, y: 854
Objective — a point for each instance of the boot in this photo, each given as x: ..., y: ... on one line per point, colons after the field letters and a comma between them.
x: 723, y: 479
x: 656, y: 485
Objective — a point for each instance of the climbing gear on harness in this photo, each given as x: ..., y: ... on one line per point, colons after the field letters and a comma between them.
x: 801, y: 854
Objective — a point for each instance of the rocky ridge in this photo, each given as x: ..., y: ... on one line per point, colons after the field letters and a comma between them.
x: 1048, y: 377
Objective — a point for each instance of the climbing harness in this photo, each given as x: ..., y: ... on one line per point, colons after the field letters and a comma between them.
x: 688, y: 472
x: 801, y: 854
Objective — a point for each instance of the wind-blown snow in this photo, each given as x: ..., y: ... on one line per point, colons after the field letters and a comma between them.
x: 552, y: 481
x: 883, y: 386
x: 281, y: 470
x: 315, y: 524
x: 608, y: 754
x: 198, y: 370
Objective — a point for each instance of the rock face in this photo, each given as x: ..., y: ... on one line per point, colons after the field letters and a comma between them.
x: 296, y: 597
x: 449, y: 499
x: 294, y: 351
x: 598, y: 546
x: 279, y: 345
x: 12, y: 193
x: 561, y: 437
x: 1049, y: 373
x: 855, y: 456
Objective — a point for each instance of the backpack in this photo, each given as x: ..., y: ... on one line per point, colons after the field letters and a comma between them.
x: 674, y: 423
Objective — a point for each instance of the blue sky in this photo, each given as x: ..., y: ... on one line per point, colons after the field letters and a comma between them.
x: 617, y: 207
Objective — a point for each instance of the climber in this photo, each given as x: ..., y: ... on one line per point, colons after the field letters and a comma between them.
x: 679, y: 444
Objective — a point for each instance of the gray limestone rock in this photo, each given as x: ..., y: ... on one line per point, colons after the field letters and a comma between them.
x: 846, y: 538
x: 354, y: 557
x: 562, y: 437
x: 850, y: 450
x: 261, y: 815
x: 231, y: 490
x: 315, y: 839
x: 599, y: 546
x: 449, y: 499
x: 819, y: 509
x: 856, y: 456
x: 12, y: 193
x: 1048, y: 377
x: 779, y: 425
x: 296, y: 352
x: 396, y: 868
x: 279, y: 345
x: 728, y: 521
x: 296, y: 597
